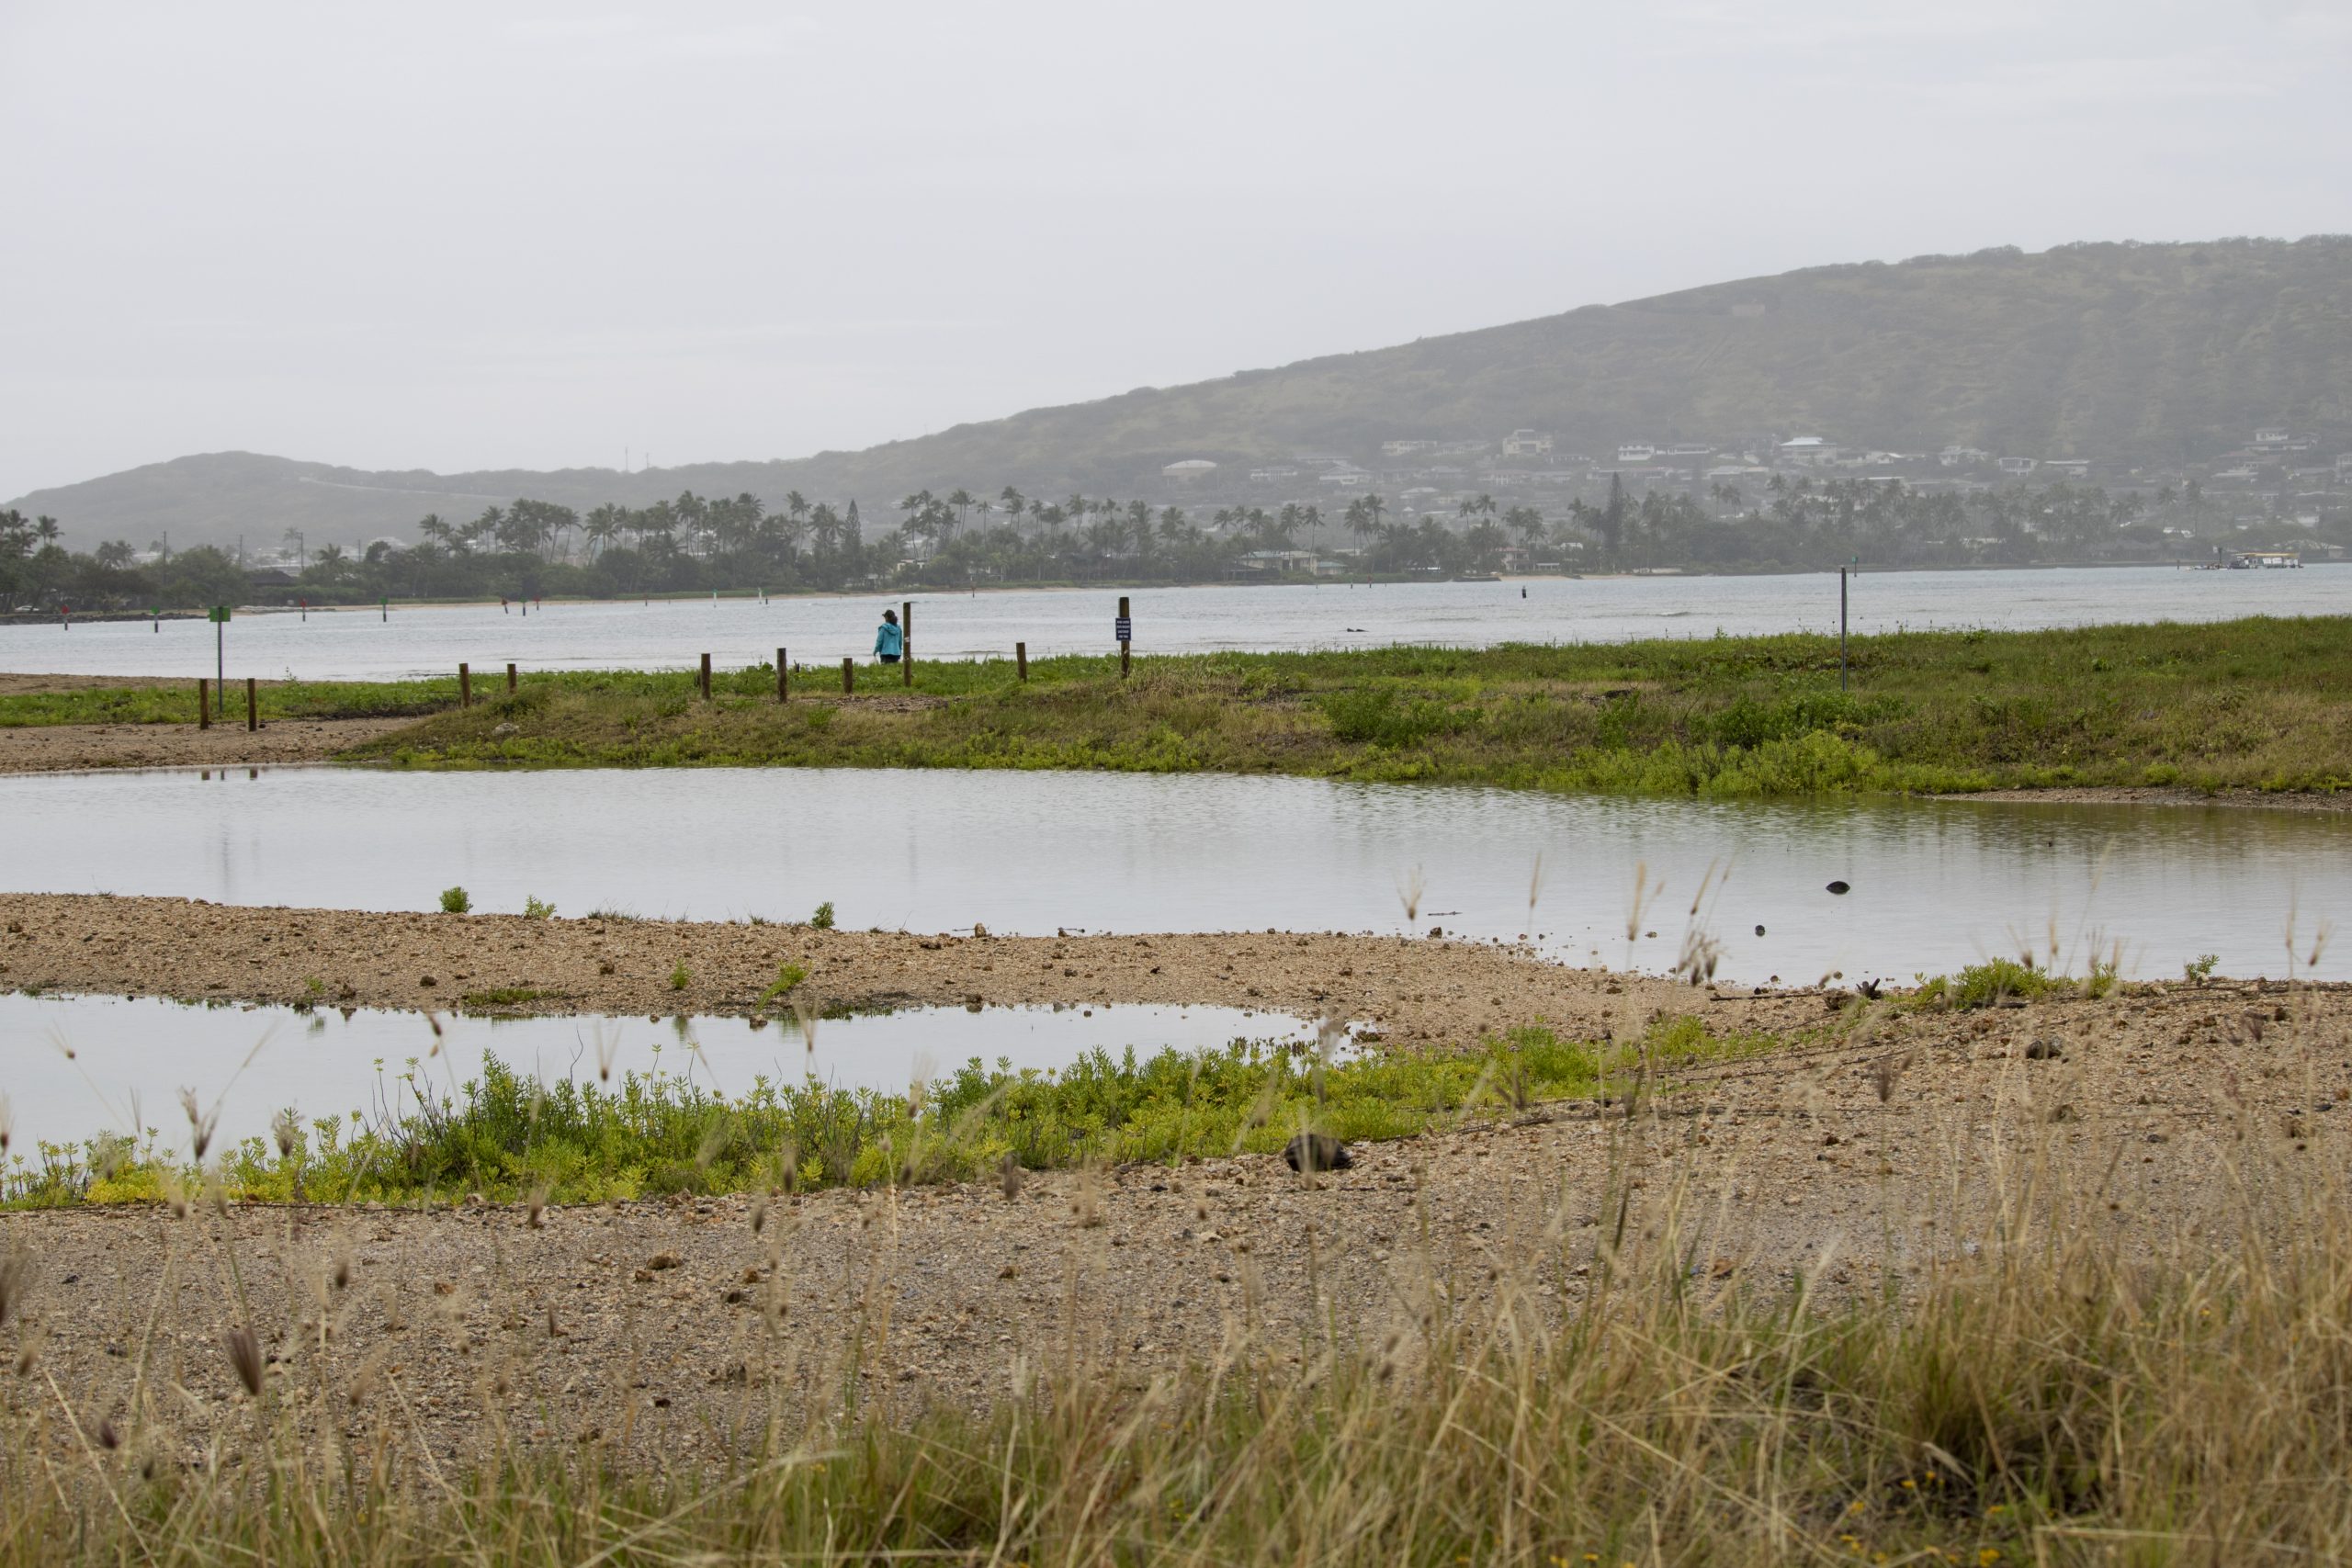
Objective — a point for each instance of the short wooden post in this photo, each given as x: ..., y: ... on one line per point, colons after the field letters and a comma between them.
x: 848, y: 676
x: 1021, y: 659
x: 782, y: 694
x: 706, y: 677
x: 510, y: 677
x: 203, y: 701
x: 253, y: 703
x: 1125, y: 641
x: 907, y: 642
x: 465, y: 687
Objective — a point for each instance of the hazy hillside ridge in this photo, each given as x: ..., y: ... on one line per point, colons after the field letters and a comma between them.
x: 2133, y: 356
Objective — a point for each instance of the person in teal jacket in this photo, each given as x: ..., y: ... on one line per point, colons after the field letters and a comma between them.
x: 888, y: 640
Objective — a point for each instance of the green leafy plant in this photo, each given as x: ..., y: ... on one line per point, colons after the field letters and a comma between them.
x: 456, y: 901
x: 679, y: 978
x: 533, y: 909
x: 788, y: 976
x: 502, y: 996
x: 2200, y: 967
x: 1989, y: 984
x: 823, y: 919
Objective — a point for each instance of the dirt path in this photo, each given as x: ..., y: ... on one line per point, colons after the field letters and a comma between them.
x: 79, y: 748
x: 669, y: 1331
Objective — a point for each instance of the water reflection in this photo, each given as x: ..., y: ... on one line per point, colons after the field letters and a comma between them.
x: 74, y: 1065
x: 674, y: 634
x: 1935, y: 885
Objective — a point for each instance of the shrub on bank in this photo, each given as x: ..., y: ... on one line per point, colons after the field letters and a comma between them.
x: 507, y: 1137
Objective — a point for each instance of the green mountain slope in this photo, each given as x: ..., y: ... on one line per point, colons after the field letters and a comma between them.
x: 2121, y: 353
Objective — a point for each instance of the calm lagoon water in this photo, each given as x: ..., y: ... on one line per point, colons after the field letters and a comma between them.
x: 358, y: 645
x: 1935, y: 885
x: 130, y: 1058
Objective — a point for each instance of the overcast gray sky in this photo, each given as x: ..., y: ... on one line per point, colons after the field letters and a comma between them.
x: 479, y: 235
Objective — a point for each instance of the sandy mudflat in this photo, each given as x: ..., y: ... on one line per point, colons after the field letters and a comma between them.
x: 80, y: 747
x: 669, y: 1330
x: 1863, y: 1155
x: 1417, y: 990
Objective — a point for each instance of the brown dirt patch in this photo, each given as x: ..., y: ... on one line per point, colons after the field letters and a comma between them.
x: 1419, y: 991
x: 79, y: 748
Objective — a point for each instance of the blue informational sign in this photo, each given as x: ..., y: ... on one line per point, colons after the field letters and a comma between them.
x: 1124, y: 629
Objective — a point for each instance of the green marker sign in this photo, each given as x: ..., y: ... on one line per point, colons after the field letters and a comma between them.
x: 220, y: 613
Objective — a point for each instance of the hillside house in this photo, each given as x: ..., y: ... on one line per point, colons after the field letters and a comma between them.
x: 1526, y: 444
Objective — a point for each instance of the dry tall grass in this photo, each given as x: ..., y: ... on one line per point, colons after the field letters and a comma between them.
x: 2049, y: 1386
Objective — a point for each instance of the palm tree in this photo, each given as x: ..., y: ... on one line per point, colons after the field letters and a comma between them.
x: 602, y: 528
x: 1014, y: 504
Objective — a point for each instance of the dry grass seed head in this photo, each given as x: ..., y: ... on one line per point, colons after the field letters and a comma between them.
x: 244, y: 1358
x: 199, y: 1124
x: 286, y: 1132
x: 19, y: 1273
x: 1886, y: 1072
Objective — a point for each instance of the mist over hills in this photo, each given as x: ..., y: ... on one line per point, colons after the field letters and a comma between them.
x: 2144, y: 354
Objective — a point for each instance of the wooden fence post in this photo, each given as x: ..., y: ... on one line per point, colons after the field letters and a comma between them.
x: 706, y: 677
x: 204, y: 702
x: 848, y: 676
x: 465, y: 687
x: 253, y: 703
x: 510, y: 677
x: 1126, y: 638
x: 1021, y: 659
x: 907, y: 642
x: 781, y: 693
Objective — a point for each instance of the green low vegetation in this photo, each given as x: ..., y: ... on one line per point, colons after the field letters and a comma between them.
x: 2263, y: 703
x: 2000, y: 980
x: 502, y: 998
x: 508, y: 1137
x: 175, y: 703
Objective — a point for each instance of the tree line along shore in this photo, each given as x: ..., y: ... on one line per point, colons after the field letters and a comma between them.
x: 532, y: 548
x: 2257, y: 704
